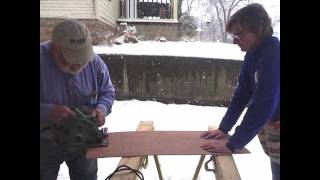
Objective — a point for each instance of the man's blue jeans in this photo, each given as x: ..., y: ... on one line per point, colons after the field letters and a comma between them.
x: 275, y: 168
x: 51, y: 156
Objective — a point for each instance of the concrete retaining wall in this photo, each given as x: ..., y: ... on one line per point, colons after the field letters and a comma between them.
x: 178, y: 80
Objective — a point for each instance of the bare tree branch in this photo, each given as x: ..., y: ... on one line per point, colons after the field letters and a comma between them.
x: 236, y: 4
x: 231, y: 8
x: 189, y: 6
x: 220, y: 12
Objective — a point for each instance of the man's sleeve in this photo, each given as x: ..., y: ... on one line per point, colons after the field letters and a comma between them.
x: 106, y: 91
x: 45, y: 109
x: 263, y: 104
x: 238, y: 102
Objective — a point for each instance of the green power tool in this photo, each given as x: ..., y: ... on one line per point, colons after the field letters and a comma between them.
x: 77, y: 134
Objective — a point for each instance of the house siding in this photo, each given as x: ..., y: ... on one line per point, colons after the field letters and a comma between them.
x: 108, y: 11
x: 80, y: 9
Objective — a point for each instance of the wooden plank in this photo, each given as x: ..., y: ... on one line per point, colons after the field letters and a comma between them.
x: 225, y: 167
x: 142, y: 143
x: 133, y: 162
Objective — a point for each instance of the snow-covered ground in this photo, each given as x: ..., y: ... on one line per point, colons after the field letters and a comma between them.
x: 175, y: 48
x: 126, y: 116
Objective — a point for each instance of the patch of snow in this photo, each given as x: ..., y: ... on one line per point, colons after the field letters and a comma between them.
x: 173, y: 48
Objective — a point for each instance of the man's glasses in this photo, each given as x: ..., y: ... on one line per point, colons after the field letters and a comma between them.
x: 239, y: 35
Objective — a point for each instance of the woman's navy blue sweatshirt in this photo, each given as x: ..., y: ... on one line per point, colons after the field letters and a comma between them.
x: 259, y: 90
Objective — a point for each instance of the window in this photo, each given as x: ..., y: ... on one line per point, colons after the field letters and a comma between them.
x: 148, y: 9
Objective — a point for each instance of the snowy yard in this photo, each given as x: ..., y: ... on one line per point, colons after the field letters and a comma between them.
x: 126, y: 116
x: 175, y: 48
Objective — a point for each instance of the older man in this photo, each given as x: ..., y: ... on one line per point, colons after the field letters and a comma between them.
x: 71, y: 75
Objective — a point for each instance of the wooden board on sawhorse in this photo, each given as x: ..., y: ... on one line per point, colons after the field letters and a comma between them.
x: 137, y: 162
x: 224, y: 166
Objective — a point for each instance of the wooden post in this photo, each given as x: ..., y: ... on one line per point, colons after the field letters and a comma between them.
x: 195, y: 176
x: 133, y: 162
x: 174, y: 9
x: 158, y: 167
x: 224, y: 165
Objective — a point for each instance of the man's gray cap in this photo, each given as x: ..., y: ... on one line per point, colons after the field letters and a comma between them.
x: 74, y: 40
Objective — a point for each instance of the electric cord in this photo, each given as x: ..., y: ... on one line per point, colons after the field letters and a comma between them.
x: 124, y: 168
x: 45, y: 129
